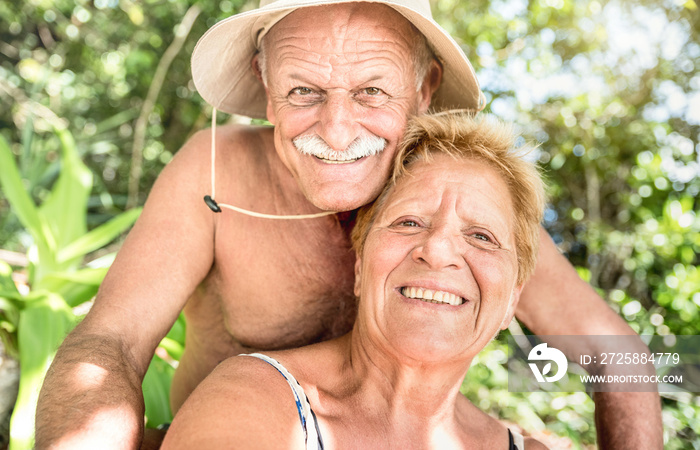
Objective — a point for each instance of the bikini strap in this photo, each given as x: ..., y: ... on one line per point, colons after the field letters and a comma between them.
x: 312, y: 434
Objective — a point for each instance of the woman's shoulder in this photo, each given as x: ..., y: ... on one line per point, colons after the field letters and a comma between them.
x: 244, y: 401
x: 493, y: 430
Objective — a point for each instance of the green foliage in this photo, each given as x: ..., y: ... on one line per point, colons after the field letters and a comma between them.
x: 34, y: 324
x: 156, y: 383
x: 44, y: 322
x: 544, y: 415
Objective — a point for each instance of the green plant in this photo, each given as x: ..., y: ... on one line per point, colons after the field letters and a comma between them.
x: 34, y: 324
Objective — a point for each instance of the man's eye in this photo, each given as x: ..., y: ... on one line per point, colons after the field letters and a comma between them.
x: 301, y: 91
x: 304, y: 96
x: 372, y: 97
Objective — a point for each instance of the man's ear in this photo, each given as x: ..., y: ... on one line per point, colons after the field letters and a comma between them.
x: 513, y: 303
x: 431, y: 83
x: 255, y: 65
x: 257, y: 70
x: 358, y: 275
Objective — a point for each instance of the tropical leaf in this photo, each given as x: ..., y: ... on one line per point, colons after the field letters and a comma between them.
x: 75, y: 287
x: 99, y: 237
x: 156, y: 392
x: 6, y: 282
x: 43, y: 324
x: 174, y: 348
x: 177, y: 331
x: 65, y: 209
x: 21, y: 203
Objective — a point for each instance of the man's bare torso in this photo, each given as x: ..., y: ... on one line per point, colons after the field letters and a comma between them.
x: 274, y: 284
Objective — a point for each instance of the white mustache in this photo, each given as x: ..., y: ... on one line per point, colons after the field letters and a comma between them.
x: 359, y: 148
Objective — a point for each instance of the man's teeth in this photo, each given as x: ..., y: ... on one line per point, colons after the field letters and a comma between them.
x: 431, y: 296
x: 337, y: 161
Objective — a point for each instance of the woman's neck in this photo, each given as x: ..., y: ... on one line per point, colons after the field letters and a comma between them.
x: 406, y: 386
x: 367, y: 395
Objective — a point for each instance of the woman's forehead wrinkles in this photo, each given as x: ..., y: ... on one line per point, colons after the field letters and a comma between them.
x: 484, y: 198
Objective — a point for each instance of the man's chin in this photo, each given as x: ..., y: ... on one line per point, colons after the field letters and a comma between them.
x: 339, y: 205
x: 341, y: 199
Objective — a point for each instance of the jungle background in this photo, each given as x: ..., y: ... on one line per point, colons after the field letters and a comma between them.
x: 96, y: 96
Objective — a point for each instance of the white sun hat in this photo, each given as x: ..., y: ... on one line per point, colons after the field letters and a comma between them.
x: 221, y: 61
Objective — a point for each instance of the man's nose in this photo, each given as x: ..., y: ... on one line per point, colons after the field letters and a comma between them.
x: 338, y: 121
x: 442, y: 248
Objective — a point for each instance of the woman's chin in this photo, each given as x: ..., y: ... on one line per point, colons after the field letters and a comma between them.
x: 428, y: 348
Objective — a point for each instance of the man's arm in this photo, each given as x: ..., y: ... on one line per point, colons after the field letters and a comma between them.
x: 556, y: 301
x: 92, y: 394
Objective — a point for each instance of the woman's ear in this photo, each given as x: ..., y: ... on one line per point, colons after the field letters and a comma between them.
x: 358, y: 276
x: 512, y: 305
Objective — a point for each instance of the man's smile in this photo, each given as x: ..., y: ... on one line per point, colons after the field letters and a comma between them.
x: 360, y: 148
x: 337, y: 161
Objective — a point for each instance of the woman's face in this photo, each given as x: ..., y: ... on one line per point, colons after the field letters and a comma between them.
x: 437, y: 278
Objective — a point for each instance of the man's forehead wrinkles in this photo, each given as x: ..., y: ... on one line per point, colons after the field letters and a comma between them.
x: 335, y: 45
x: 351, y: 67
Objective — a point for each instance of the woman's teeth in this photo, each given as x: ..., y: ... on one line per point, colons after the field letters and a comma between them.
x: 428, y: 295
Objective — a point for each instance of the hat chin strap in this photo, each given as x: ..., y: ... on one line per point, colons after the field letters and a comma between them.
x: 216, y: 207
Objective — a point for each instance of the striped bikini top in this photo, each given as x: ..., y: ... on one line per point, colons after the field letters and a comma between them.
x: 312, y: 435
x: 309, y: 424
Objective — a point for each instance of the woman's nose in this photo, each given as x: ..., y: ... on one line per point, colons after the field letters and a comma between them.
x: 338, y: 121
x: 441, y: 248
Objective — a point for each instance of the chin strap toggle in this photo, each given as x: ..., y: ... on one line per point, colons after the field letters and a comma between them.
x: 211, y: 203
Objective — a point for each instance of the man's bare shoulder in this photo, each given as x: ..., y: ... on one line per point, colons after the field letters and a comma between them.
x: 246, y: 138
x: 240, y: 141
x: 244, y: 155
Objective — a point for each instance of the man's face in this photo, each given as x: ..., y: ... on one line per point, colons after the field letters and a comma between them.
x: 341, y: 73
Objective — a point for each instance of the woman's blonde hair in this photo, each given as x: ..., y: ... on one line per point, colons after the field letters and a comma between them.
x: 487, y: 140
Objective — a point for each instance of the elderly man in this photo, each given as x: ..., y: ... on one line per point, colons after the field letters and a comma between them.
x: 339, y: 83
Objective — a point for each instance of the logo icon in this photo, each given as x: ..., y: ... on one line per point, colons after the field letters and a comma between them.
x: 541, y: 352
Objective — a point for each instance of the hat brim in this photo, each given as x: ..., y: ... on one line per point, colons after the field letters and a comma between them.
x: 223, y: 75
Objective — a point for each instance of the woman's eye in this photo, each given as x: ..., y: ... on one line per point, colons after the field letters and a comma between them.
x: 406, y: 222
x: 484, y: 237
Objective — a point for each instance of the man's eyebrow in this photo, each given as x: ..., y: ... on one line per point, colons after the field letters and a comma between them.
x: 379, y: 76
x: 296, y: 76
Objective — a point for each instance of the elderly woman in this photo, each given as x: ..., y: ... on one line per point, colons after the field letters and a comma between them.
x: 442, y: 256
